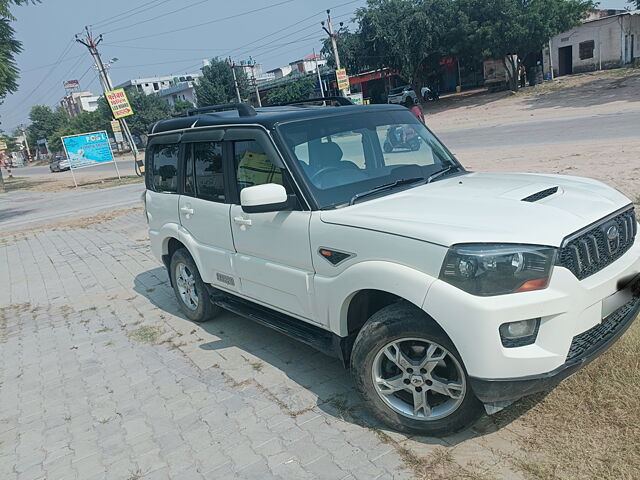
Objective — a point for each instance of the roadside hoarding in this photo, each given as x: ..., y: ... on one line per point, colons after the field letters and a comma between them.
x: 71, y: 84
x: 3, y: 146
x: 117, y: 131
x: 342, y: 79
x: 87, y: 150
x: 119, y: 103
x: 356, y: 98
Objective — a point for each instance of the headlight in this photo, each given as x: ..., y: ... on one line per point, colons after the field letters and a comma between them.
x: 490, y: 269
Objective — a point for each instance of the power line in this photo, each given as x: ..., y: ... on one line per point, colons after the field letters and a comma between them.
x: 135, y: 47
x: 51, y: 64
x: 109, y: 21
x: 156, y: 17
x: 217, y: 20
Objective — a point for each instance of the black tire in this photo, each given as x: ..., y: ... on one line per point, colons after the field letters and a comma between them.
x: 414, y: 146
x: 394, y: 322
x: 205, y: 310
x: 387, y: 147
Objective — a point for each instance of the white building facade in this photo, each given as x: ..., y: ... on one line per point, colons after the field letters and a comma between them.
x: 151, y: 85
x: 77, y: 102
x: 608, y: 42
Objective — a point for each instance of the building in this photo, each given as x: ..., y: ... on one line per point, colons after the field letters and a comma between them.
x: 279, y: 72
x: 151, y: 85
x: 77, y: 102
x: 308, y: 64
x: 599, y: 43
x: 179, y: 91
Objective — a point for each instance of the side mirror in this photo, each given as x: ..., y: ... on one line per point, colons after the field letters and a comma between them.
x: 269, y: 197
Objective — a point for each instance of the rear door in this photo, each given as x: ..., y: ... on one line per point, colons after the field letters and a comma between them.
x: 204, y: 207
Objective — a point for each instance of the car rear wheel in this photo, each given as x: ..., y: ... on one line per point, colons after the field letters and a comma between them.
x: 190, y: 290
x: 410, y: 375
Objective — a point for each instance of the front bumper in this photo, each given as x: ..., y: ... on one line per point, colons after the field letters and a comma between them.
x: 585, y: 348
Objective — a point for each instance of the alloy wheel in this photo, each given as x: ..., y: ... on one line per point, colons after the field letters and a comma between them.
x: 419, y: 379
x: 186, y: 283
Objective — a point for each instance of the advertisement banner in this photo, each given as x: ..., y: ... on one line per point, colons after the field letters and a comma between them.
x: 115, y: 126
x: 88, y: 149
x: 342, y: 78
x: 71, y: 84
x: 119, y: 103
x: 3, y: 146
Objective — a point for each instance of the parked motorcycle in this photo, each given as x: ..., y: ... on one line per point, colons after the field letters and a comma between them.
x: 399, y: 136
x: 430, y: 94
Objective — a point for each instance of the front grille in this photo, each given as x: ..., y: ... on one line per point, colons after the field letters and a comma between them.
x: 540, y: 195
x: 592, y: 338
x: 590, y: 251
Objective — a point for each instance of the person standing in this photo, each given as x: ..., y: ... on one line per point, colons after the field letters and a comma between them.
x: 522, y: 73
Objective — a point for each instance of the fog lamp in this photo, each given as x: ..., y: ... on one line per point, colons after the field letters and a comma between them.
x: 520, y: 333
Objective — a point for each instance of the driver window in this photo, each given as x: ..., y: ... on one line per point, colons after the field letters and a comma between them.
x: 350, y: 151
x: 253, y: 166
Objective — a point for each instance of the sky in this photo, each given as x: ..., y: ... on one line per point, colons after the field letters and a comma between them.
x: 142, y: 35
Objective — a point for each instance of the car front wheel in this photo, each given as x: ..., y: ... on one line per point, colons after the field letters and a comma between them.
x: 410, y: 375
x: 189, y: 288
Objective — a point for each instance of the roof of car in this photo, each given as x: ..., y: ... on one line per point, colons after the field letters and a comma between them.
x: 265, y: 116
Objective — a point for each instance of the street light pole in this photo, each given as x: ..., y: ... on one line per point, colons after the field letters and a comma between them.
x: 105, y: 81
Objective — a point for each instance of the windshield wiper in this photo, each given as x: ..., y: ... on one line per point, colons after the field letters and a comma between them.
x: 386, y: 186
x: 440, y: 173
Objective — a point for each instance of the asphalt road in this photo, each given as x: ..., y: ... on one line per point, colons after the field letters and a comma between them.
x: 538, y: 132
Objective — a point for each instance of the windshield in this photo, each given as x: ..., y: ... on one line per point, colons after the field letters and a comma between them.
x: 342, y: 157
x: 396, y: 90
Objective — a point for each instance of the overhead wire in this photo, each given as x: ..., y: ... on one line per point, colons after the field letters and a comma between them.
x: 156, y: 17
x: 128, y: 13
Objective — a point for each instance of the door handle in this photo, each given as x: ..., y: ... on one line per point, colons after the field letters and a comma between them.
x: 187, y: 210
x: 242, y: 221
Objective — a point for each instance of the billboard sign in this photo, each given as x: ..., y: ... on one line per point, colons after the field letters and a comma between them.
x: 71, y: 84
x: 88, y: 149
x: 3, y: 145
x: 115, y: 126
x: 342, y: 79
x: 119, y: 103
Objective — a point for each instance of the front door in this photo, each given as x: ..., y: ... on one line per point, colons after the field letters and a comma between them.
x: 273, y: 259
x: 565, y: 60
x: 204, y: 212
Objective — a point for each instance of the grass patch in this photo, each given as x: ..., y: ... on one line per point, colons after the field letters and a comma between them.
x: 589, y: 426
x: 146, y: 334
x: 58, y: 183
x: 20, y: 183
x: 111, y: 181
x: 257, y: 366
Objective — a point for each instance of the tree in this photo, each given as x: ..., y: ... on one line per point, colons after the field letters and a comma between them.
x: 352, y: 52
x: 406, y: 35
x: 216, y: 86
x: 45, y: 121
x: 9, y: 48
x: 634, y: 3
x: 180, y: 106
x: 502, y: 29
x: 299, y: 89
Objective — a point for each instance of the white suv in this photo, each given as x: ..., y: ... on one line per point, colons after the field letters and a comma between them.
x: 441, y: 289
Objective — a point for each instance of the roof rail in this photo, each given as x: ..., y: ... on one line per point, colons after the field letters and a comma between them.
x: 339, y: 100
x: 243, y: 109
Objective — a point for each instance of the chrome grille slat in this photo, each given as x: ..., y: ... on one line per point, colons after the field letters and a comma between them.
x: 589, y: 251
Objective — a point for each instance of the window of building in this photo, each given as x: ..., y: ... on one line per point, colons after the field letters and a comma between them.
x: 253, y: 166
x: 209, y: 176
x: 156, y: 86
x: 165, y: 168
x: 586, y: 49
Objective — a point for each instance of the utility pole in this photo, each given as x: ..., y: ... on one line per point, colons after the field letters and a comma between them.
x: 332, y: 35
x: 92, y: 45
x: 318, y: 72
x: 26, y: 142
x: 235, y: 79
x: 253, y: 80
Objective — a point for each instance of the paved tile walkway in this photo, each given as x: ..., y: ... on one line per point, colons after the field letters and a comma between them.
x: 101, y: 377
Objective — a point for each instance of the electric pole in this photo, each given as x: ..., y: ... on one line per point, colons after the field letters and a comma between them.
x: 92, y: 45
x: 235, y: 79
x: 253, y: 80
x: 334, y: 44
x: 26, y: 142
x: 318, y: 72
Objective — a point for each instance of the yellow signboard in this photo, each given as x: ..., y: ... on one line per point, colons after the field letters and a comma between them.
x: 342, y: 78
x: 3, y: 146
x: 119, y: 103
x: 115, y: 126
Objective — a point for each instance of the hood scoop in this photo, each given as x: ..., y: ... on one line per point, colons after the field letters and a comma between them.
x: 540, y: 195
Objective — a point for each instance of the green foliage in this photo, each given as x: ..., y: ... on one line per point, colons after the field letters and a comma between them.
x: 634, y: 3
x: 9, y: 48
x: 45, y: 121
x: 12, y: 145
x: 351, y: 51
x: 300, y: 89
x: 180, y: 106
x: 216, y: 85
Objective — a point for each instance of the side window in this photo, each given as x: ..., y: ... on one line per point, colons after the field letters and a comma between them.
x: 189, y: 180
x: 209, y: 177
x: 253, y: 166
x: 164, y: 171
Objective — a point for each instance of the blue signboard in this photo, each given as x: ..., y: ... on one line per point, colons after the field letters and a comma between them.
x: 88, y: 149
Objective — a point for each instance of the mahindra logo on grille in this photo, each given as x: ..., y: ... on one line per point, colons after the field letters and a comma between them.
x: 613, y: 238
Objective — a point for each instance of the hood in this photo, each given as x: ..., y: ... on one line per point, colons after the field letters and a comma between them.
x: 482, y: 207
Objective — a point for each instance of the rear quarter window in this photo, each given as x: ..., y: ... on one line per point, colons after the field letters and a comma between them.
x: 164, y: 168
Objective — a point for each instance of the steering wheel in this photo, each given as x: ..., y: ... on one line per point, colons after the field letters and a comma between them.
x: 322, y: 171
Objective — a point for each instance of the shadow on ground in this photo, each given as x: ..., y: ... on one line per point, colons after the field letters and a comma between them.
x: 323, y: 376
